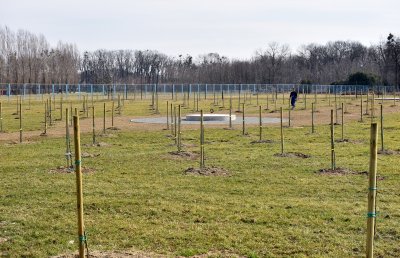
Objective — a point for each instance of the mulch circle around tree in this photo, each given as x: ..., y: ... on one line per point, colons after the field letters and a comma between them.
x: 389, y: 152
x: 69, y: 170
x: 292, y: 155
x: 344, y: 171
x: 207, y: 171
x: 261, y: 141
x: 184, y: 154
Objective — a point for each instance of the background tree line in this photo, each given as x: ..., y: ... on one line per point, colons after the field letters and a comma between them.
x: 28, y: 58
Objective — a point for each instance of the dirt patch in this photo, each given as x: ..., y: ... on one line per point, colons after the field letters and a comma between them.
x: 292, y: 155
x: 184, y: 155
x: 97, y: 144
x: 3, y: 240
x: 349, y: 141
x: 89, y: 155
x: 107, y: 135
x: 17, y: 142
x: 262, y: 141
x: 207, y: 171
x: 389, y: 152
x: 339, y: 171
x: 113, y: 128
x: 345, y: 171
x: 68, y: 170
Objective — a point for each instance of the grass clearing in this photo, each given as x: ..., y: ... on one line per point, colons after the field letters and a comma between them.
x: 138, y: 197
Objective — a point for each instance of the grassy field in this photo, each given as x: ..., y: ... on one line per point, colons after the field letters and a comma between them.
x: 137, y: 196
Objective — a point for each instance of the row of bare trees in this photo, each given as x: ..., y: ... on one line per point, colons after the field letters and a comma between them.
x: 28, y: 58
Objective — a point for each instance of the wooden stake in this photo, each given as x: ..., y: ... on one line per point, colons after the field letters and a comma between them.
x: 230, y: 113
x: 243, y: 125
x: 20, y: 122
x: 50, y: 116
x: 1, y: 117
x: 61, y: 108
x: 172, y: 121
x: 93, y: 127
x: 333, y: 158
x: 342, y: 125
x: 67, y: 141
x: 282, y: 140
x: 175, y: 127
x: 361, y: 109
x: 201, y: 140
x: 260, y: 122
x: 167, y: 116
x: 312, y: 118
x: 79, y: 186
x: 382, y: 145
x: 179, y: 128
x: 104, y: 117
x: 372, y: 191
x: 112, y: 115
x: 45, y: 119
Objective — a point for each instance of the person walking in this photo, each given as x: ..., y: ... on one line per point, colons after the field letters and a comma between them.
x: 293, y: 98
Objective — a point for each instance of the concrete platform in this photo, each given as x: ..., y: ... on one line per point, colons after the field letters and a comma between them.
x: 210, y: 117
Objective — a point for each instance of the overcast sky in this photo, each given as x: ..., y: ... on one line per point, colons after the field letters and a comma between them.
x: 234, y: 28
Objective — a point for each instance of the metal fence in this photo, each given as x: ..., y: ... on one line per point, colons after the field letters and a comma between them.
x: 144, y: 90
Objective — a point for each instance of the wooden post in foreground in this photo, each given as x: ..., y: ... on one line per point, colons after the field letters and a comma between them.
x: 372, y: 191
x: 79, y: 190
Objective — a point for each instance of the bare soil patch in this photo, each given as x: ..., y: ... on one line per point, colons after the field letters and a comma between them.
x: 389, y: 152
x: 207, y: 171
x: 68, y: 170
x: 98, y: 144
x: 3, y: 240
x: 89, y: 155
x: 339, y: 171
x: 292, y: 155
x: 184, y: 154
x: 262, y: 141
x: 114, y: 128
x: 349, y: 141
x: 345, y: 171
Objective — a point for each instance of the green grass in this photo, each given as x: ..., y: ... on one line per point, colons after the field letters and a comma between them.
x: 139, y: 199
